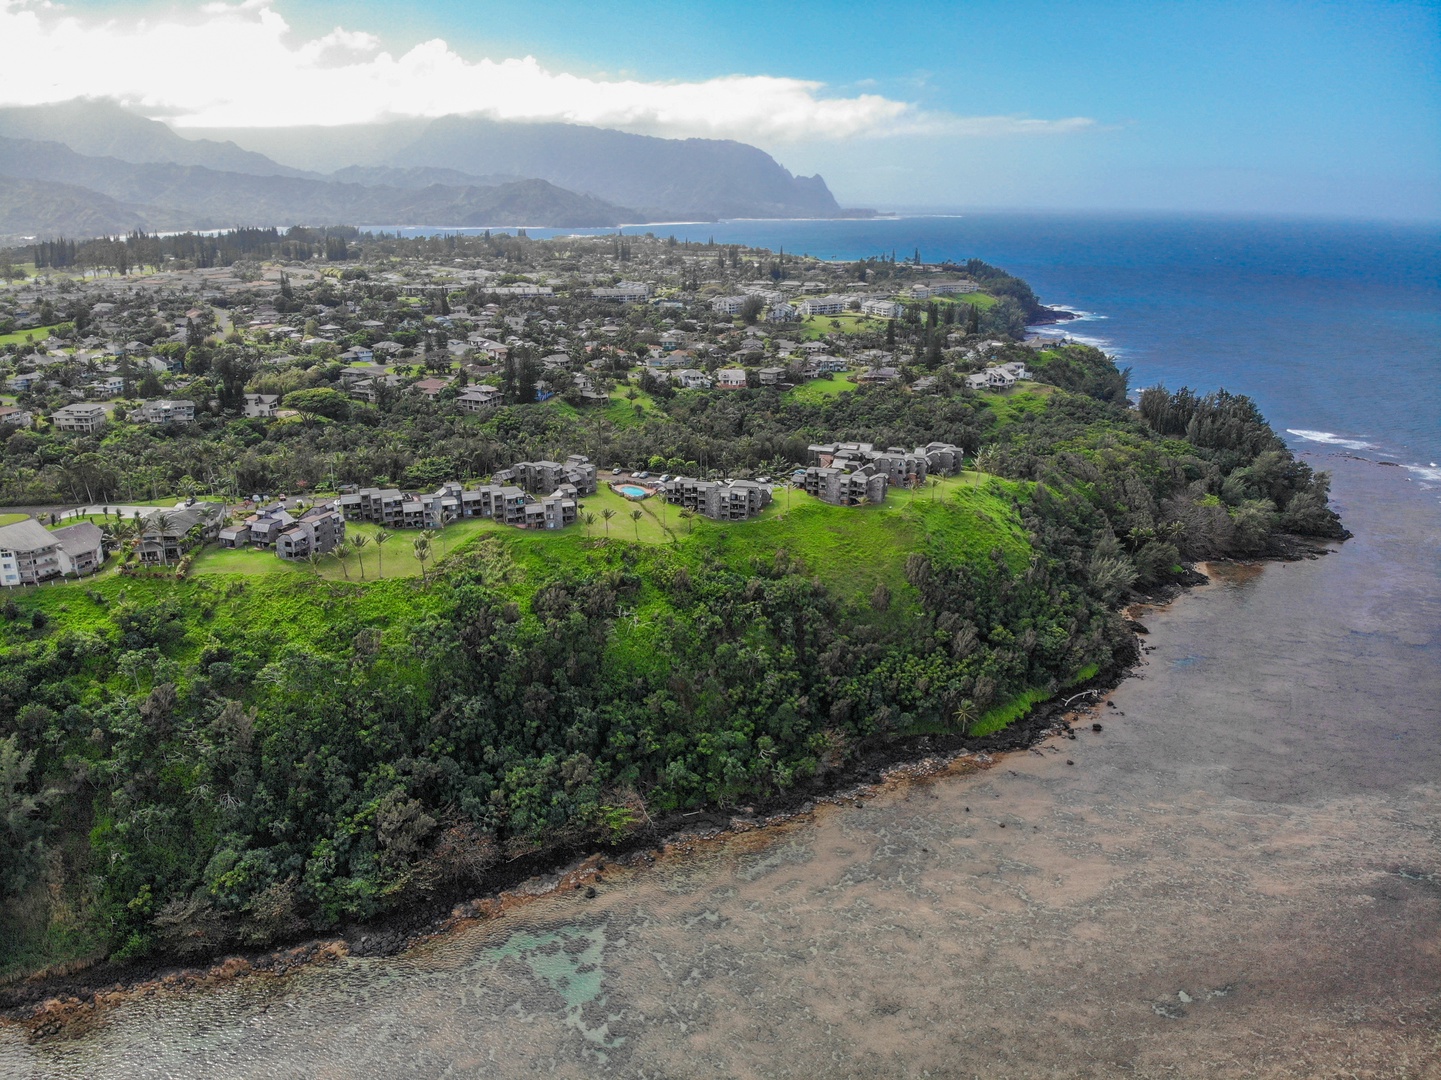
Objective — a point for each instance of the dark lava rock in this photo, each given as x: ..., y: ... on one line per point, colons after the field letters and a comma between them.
x: 1095, y: 727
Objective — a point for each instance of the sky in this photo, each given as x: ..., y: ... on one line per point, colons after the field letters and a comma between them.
x: 1311, y: 108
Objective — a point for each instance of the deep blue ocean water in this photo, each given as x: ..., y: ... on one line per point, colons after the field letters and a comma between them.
x: 1333, y: 328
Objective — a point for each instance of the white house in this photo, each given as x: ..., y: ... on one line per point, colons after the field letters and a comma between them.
x: 165, y: 412
x: 728, y: 305
x: 79, y: 417
x: 626, y: 292
x: 886, y: 309
x: 262, y: 406
x: 479, y: 398
x: 824, y: 305
x: 691, y: 379
x: 730, y: 379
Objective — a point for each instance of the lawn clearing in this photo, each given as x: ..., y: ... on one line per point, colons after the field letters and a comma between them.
x: 19, y: 337
x: 621, y: 410
x: 815, y: 327
x: 818, y: 390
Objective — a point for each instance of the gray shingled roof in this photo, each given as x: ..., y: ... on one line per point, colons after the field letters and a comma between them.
x: 27, y: 535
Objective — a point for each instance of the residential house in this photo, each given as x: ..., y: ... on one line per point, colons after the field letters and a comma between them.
x: 886, y: 309
x: 625, y: 292
x: 842, y: 488
x: 779, y: 313
x: 80, y: 417
x: 165, y: 535
x: 317, y: 531
x: 29, y: 554
x: 553, y: 512
x: 164, y: 412
x: 351, y: 374
x: 878, y: 375
x: 691, y: 379
x: 719, y: 500
x: 820, y: 364
x: 108, y: 387
x: 81, y: 549
x: 998, y: 376
x: 479, y: 398
x: 370, y: 389
x: 262, y: 406
x: 430, y: 388
x: 547, y: 476
x: 943, y: 459
x: 16, y: 416
x: 730, y: 379
x: 824, y: 305
x: 728, y: 305
x: 771, y: 376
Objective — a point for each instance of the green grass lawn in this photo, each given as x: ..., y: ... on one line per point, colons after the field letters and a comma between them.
x: 817, y: 390
x: 11, y: 519
x: 981, y: 300
x: 659, y: 523
x: 815, y: 327
x: 621, y: 410
x: 393, y: 559
x: 19, y: 337
x: 1019, y: 401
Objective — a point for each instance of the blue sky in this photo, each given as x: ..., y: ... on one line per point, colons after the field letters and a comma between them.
x: 1314, y: 108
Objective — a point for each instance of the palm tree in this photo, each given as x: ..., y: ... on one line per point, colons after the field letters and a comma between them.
x: 934, y: 483
x: 381, y: 536
x: 635, y: 516
x: 341, y: 551
x: 314, y: 560
x: 421, y: 547
x: 689, y: 516
x: 431, y: 536
x: 161, y: 522
x: 607, y: 514
x: 358, y: 542
x: 589, y: 520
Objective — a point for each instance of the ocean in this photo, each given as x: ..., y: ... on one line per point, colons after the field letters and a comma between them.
x: 1237, y: 875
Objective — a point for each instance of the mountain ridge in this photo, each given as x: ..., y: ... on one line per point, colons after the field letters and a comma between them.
x: 120, y: 167
x: 168, y: 196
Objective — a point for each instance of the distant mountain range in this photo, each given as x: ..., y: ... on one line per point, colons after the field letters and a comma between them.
x: 87, y: 167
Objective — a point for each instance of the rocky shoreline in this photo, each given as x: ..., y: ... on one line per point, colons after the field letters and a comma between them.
x: 48, y: 1002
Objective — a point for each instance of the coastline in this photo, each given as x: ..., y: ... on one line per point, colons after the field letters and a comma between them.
x: 52, y: 1002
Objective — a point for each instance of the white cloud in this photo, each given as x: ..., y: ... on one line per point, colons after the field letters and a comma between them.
x: 237, y: 65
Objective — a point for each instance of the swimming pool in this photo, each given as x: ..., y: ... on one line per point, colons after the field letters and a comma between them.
x: 631, y: 491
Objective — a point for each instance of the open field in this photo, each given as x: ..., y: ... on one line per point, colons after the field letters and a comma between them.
x: 393, y: 559
x: 981, y: 300
x: 19, y: 337
x: 621, y: 410
x: 815, y: 327
x: 817, y: 390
